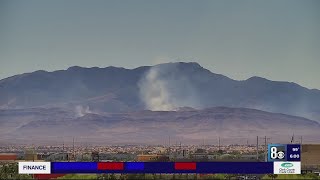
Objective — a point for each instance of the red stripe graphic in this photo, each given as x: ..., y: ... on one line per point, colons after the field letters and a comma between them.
x: 110, y: 166
x: 185, y: 166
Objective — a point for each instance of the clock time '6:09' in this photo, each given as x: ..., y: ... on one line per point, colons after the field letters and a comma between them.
x: 294, y: 155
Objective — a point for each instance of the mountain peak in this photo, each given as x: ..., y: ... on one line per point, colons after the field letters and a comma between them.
x: 75, y: 68
x: 257, y: 78
x: 194, y: 64
x: 188, y: 67
x: 182, y: 64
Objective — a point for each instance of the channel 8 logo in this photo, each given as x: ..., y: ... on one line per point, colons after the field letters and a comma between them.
x: 277, y: 152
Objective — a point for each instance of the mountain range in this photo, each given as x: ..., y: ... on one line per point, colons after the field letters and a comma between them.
x: 149, y: 103
x: 166, y: 86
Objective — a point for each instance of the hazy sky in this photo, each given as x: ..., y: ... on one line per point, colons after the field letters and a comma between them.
x: 278, y: 40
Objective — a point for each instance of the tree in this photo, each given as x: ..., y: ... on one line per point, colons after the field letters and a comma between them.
x: 273, y: 176
x: 10, y: 171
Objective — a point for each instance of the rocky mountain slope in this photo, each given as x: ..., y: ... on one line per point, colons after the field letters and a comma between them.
x: 233, y: 125
x: 161, y: 87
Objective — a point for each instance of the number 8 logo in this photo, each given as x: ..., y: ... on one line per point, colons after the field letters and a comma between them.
x: 273, y: 153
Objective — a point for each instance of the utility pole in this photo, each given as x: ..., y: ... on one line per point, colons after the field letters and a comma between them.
x: 257, y: 148
x: 300, y: 143
x: 203, y: 142
x: 265, y: 147
x: 219, y: 144
x: 33, y: 152
x: 169, y: 147
x: 63, y: 151
x: 74, y: 157
x: 292, y: 139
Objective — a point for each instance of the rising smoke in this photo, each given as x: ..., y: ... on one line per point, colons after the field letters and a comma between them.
x: 81, y: 111
x: 166, y: 87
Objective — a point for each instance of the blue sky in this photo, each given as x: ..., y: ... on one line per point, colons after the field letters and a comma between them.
x: 278, y: 40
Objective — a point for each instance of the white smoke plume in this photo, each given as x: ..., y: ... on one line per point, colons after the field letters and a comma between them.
x: 165, y: 88
x: 81, y: 111
x: 154, y: 92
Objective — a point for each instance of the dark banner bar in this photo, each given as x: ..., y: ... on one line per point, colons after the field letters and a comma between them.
x: 163, y: 167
